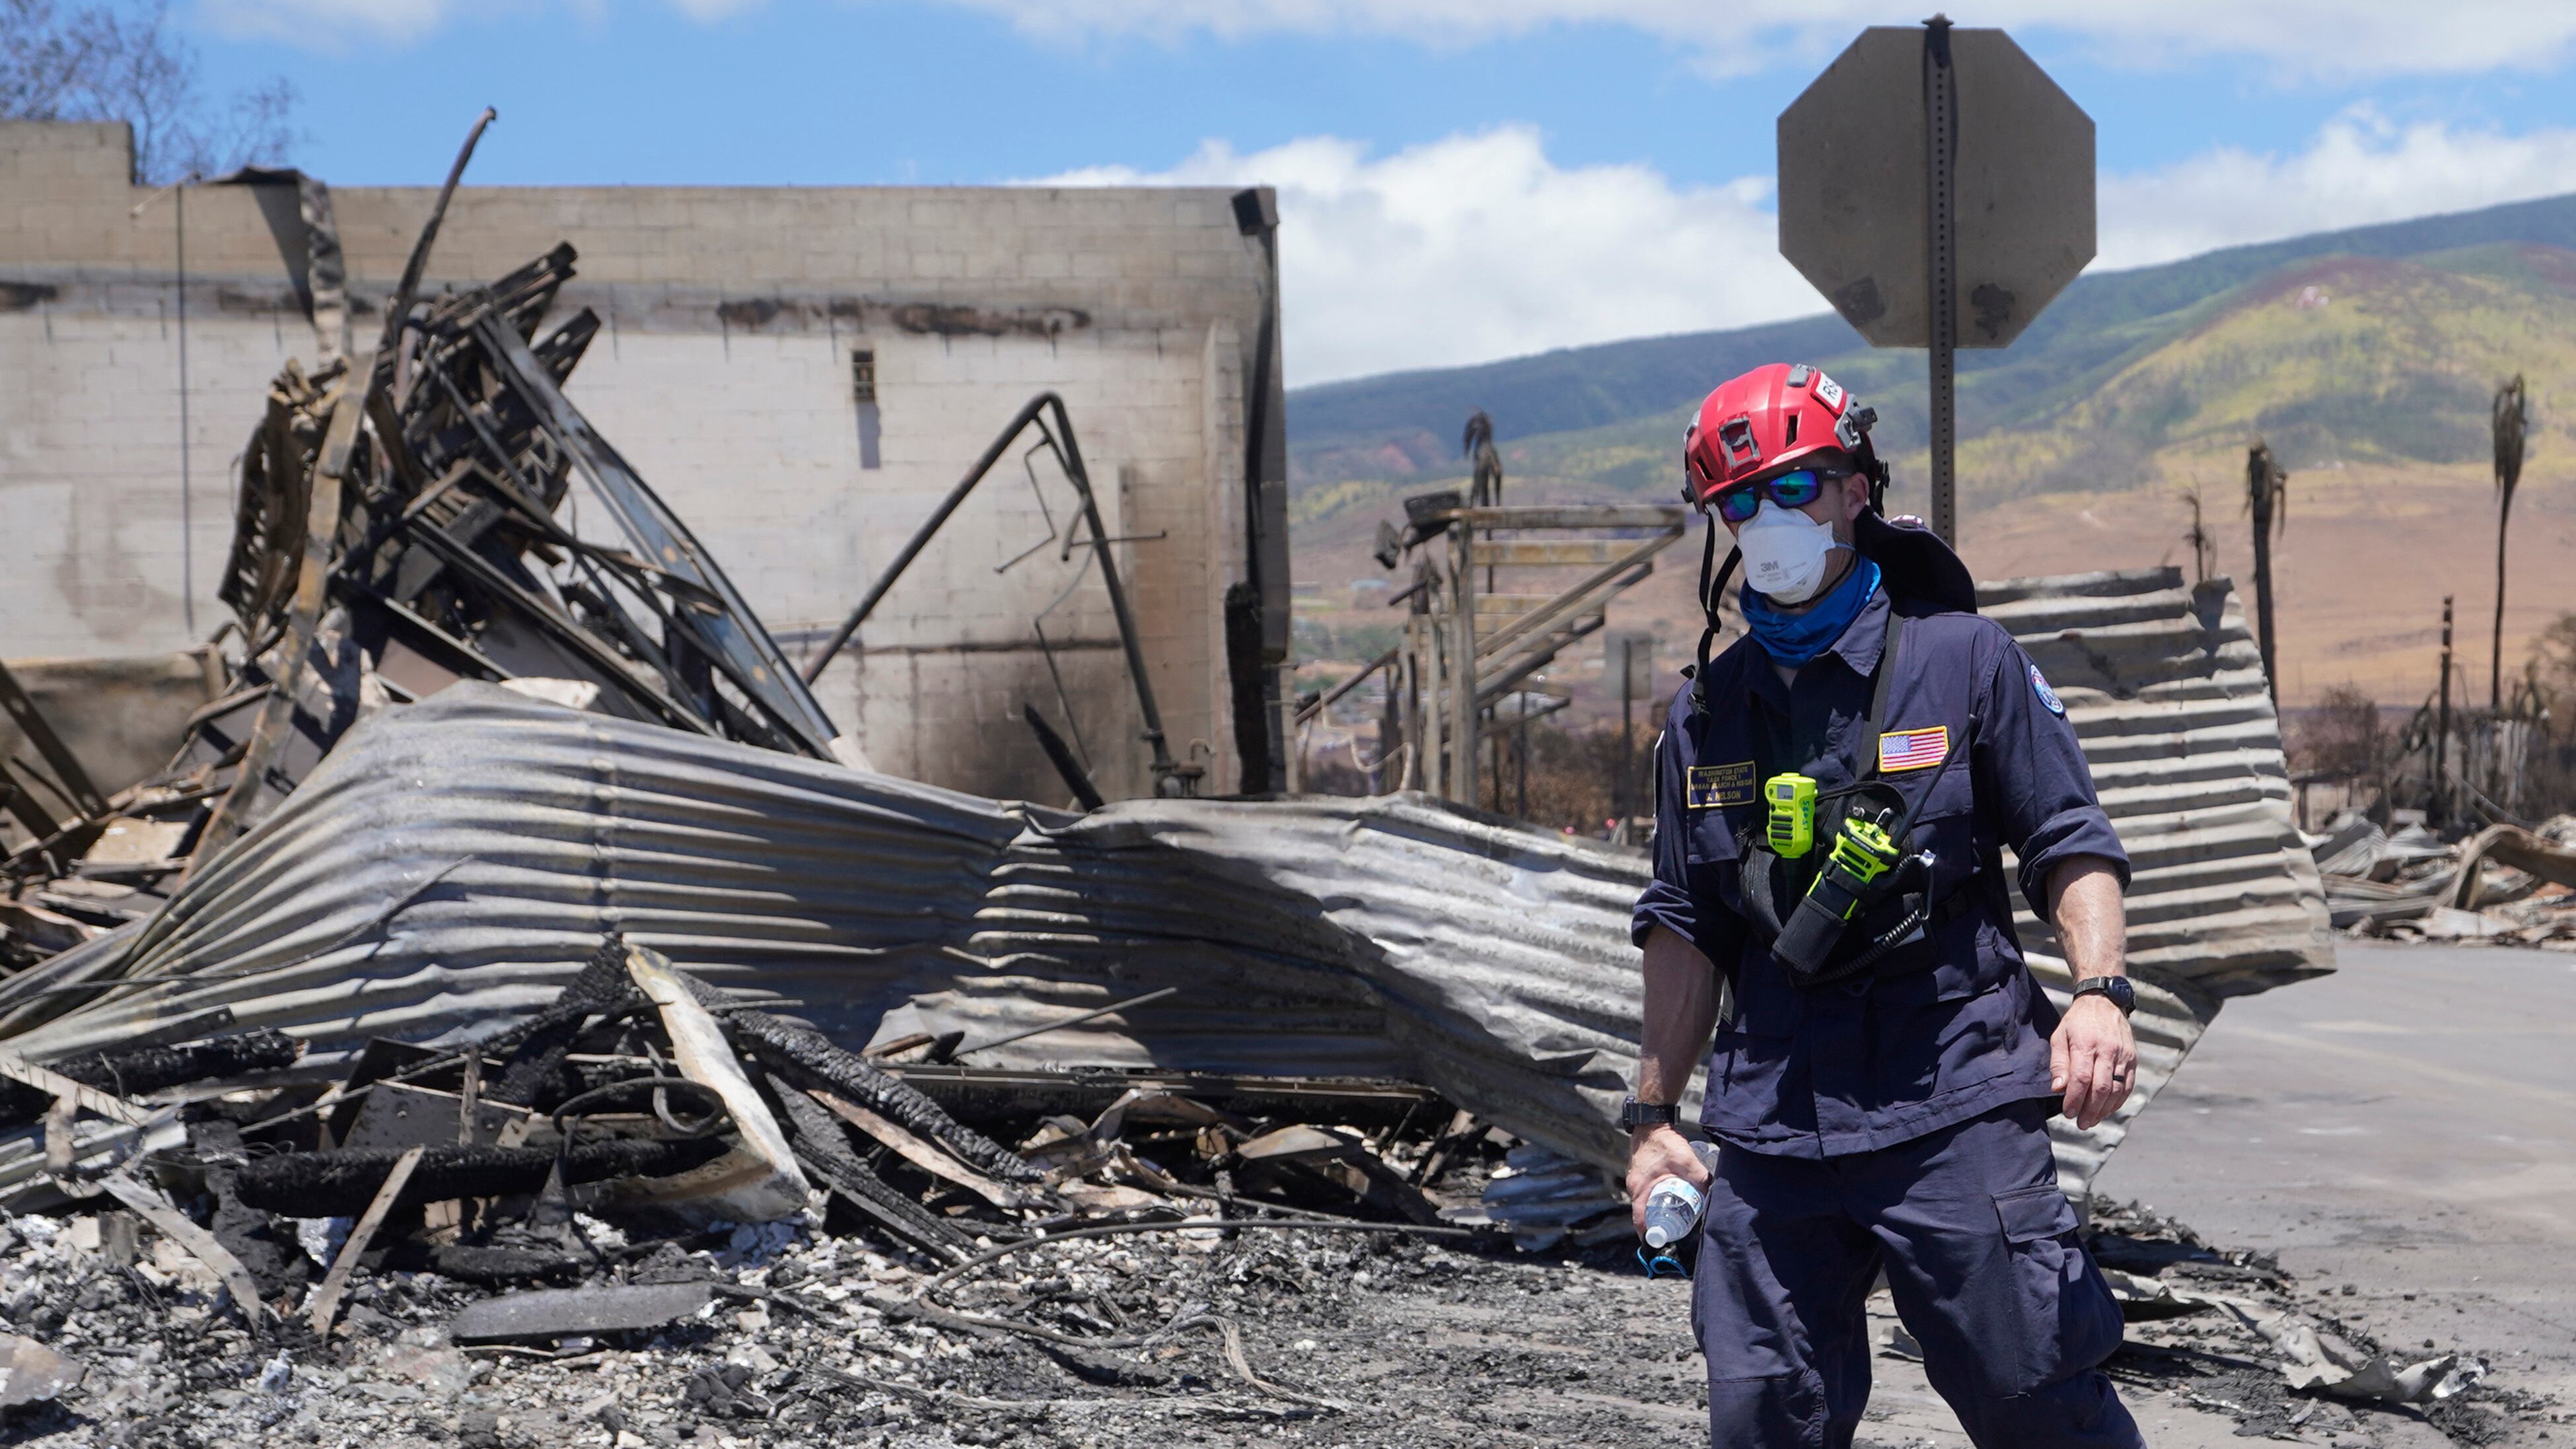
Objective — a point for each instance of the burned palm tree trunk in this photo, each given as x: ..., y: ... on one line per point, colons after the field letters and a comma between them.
x: 2512, y: 419
x: 2267, y: 497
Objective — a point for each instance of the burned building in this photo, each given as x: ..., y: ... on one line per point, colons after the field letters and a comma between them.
x: 802, y: 373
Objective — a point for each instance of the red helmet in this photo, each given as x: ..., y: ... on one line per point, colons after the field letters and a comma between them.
x: 1767, y: 422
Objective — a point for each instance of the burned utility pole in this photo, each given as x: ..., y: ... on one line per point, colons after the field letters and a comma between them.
x: 2442, y: 729
x: 1632, y: 653
x: 2512, y: 422
x: 2267, y: 497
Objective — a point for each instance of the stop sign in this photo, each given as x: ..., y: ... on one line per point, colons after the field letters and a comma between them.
x: 1854, y: 197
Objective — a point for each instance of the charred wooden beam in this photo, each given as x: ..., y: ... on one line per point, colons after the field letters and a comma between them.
x: 807, y: 1058
x: 342, y: 1184
x: 141, y: 1070
x: 823, y: 1150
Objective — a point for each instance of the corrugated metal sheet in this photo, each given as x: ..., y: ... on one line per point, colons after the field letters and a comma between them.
x: 1392, y: 937
x: 2164, y: 686
x: 1395, y: 936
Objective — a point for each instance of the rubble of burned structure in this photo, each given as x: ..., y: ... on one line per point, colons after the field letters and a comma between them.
x: 800, y: 1237
x: 2507, y: 885
x: 397, y: 530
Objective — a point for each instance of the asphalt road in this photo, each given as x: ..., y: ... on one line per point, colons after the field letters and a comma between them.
x: 2406, y: 1126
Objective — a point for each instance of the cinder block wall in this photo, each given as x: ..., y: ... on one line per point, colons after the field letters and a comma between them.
x: 724, y: 374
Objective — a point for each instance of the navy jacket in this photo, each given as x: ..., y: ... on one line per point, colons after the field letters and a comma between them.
x: 1944, y: 1029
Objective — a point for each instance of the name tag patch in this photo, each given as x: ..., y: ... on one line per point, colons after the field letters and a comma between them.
x: 1913, y: 749
x: 1712, y: 786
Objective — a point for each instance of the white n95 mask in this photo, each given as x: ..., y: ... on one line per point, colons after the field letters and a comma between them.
x: 1784, y: 553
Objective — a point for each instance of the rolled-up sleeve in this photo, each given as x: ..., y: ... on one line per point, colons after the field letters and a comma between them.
x: 2042, y: 790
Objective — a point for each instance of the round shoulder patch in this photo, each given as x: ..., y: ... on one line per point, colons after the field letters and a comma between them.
x: 2047, y: 696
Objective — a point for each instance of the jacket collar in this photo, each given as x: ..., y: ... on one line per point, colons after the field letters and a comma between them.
x: 1863, y: 640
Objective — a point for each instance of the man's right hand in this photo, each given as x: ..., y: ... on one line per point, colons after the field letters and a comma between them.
x: 1655, y: 1153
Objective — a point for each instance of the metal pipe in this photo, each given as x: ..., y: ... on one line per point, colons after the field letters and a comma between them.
x: 1069, y: 453
x: 1092, y: 1015
x: 921, y: 536
x: 1326, y: 700
x: 1166, y: 773
x: 1941, y: 145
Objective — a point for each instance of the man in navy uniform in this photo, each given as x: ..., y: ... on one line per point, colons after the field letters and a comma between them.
x: 1882, y: 1077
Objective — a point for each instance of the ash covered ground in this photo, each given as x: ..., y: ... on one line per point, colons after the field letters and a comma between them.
x: 1196, y: 1336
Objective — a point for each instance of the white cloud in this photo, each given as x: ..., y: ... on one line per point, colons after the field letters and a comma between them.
x: 1478, y: 246
x: 2360, y: 169
x: 329, y: 24
x: 2341, y: 39
x: 2344, y: 38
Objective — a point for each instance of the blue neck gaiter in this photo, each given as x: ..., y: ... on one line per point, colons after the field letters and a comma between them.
x: 1793, y: 639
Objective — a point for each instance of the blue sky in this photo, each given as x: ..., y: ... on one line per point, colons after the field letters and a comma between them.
x: 1462, y: 179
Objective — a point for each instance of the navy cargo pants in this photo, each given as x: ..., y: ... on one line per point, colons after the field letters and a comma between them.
x: 1980, y: 1251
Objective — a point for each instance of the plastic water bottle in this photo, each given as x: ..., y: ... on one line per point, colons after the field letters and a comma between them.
x: 1672, y: 1211
x: 1673, y: 1206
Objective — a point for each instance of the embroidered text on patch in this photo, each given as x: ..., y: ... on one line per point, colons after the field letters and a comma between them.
x: 1712, y: 786
x: 1913, y: 749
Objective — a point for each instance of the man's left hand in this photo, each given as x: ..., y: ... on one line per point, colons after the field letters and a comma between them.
x: 2093, y: 1059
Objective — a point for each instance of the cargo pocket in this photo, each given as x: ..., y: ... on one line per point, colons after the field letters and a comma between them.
x: 2069, y: 1320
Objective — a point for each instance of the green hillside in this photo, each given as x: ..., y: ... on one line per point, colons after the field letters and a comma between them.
x: 2368, y: 374
x: 2123, y: 368
x: 2335, y: 362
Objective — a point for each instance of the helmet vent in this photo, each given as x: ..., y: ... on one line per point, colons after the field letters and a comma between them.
x: 1793, y: 431
x: 1735, y: 439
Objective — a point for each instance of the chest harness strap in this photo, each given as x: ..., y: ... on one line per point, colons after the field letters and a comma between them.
x: 1865, y: 891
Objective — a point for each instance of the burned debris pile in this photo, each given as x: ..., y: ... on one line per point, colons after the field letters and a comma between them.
x: 647, y: 1155
x: 2507, y: 885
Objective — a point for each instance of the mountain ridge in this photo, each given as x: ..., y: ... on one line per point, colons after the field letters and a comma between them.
x: 2101, y: 324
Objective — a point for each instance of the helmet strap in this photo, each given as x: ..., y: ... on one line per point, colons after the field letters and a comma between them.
x: 1710, y: 590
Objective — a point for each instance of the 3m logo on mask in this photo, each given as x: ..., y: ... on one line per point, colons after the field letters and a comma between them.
x: 1735, y: 440
x: 1784, y: 553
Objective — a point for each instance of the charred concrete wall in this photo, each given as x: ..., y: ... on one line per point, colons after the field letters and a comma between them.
x: 743, y: 330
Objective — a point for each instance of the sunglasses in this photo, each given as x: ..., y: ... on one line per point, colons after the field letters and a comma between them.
x: 1790, y: 490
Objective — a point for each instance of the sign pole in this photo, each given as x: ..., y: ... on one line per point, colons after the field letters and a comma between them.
x: 1941, y: 149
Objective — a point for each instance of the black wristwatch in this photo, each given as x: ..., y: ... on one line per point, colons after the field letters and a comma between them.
x: 1634, y: 1114
x: 2123, y: 995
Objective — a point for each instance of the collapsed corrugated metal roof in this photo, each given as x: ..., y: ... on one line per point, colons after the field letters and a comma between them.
x: 455, y: 860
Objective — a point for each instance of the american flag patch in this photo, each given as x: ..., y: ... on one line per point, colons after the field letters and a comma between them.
x: 1913, y: 749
